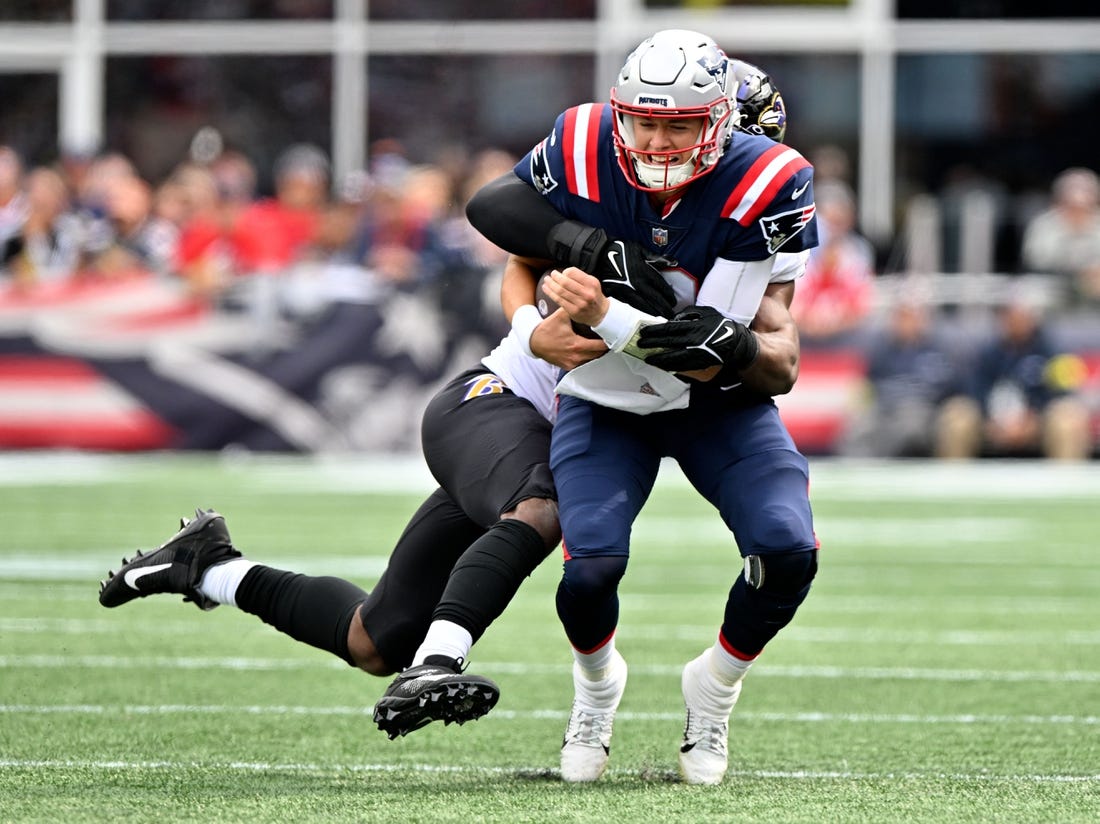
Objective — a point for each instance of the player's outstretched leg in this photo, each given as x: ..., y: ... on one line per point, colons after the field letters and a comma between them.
x: 176, y: 566
x: 586, y: 746
x: 437, y: 690
x: 704, y: 752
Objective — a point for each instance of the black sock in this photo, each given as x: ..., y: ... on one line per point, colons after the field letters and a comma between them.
x: 489, y: 573
x: 315, y: 611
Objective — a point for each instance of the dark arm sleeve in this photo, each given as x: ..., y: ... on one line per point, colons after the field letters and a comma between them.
x: 514, y: 216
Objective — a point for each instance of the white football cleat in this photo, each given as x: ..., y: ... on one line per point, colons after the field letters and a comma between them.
x: 587, y: 743
x: 704, y: 752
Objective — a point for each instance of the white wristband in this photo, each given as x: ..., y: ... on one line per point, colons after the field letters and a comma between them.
x: 620, y: 323
x: 524, y: 321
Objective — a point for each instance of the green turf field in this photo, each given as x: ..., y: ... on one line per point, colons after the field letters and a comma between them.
x: 945, y: 668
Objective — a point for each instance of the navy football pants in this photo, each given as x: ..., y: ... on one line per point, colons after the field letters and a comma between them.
x: 605, y: 463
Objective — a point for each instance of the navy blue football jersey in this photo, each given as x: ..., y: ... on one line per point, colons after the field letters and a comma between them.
x: 757, y: 201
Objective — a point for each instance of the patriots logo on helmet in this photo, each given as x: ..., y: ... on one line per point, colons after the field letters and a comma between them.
x: 540, y: 169
x: 780, y: 228
x: 716, y: 65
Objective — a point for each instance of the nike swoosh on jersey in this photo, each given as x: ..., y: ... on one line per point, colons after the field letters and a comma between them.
x: 132, y: 576
x: 797, y: 193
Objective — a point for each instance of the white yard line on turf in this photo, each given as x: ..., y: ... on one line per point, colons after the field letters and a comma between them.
x: 831, y: 479
x: 73, y: 662
x: 978, y: 603
x: 650, y: 632
x: 92, y: 566
x: 556, y: 715
x: 519, y: 772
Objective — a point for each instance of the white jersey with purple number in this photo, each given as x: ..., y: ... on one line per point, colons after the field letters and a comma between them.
x: 530, y: 378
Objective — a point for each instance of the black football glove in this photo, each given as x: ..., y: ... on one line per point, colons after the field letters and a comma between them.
x: 699, y: 337
x: 625, y: 269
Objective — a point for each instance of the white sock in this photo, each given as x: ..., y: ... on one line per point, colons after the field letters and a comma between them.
x: 594, y: 665
x: 220, y: 582
x: 727, y: 669
x: 717, y: 682
x: 444, y: 638
x: 598, y: 677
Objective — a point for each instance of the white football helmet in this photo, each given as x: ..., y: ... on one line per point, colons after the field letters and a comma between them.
x: 674, y: 74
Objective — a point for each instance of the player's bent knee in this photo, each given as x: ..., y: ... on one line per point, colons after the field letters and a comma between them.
x: 364, y: 653
x: 593, y: 577
x: 541, y: 514
x: 782, y: 573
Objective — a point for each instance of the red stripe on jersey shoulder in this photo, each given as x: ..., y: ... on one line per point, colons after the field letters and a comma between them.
x: 569, y: 129
x: 764, y: 199
x: 580, y: 145
x: 752, y: 177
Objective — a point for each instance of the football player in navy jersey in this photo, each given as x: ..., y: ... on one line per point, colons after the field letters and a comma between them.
x: 663, y: 166
x: 466, y: 550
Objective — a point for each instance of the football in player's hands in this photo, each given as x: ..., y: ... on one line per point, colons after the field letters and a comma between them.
x: 543, y: 302
x: 699, y: 337
x: 548, y: 306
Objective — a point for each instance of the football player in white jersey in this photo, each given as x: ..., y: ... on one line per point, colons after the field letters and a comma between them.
x: 495, y: 510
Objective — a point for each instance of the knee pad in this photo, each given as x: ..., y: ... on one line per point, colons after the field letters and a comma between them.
x: 587, y: 600
x: 593, y: 577
x: 765, y: 599
x: 781, y: 573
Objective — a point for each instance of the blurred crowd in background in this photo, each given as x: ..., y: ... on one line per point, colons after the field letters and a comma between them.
x: 935, y: 380
x: 207, y: 226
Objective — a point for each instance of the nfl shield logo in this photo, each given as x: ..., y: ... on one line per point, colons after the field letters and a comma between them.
x: 660, y: 236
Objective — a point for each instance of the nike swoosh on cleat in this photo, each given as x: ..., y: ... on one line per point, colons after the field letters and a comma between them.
x: 132, y: 576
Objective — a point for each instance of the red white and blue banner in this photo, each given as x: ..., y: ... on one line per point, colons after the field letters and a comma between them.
x: 136, y: 364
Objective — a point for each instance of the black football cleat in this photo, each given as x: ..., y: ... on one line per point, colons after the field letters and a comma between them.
x: 437, y: 690
x: 176, y: 566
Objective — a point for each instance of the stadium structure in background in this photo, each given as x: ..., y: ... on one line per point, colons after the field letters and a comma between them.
x: 916, y: 103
